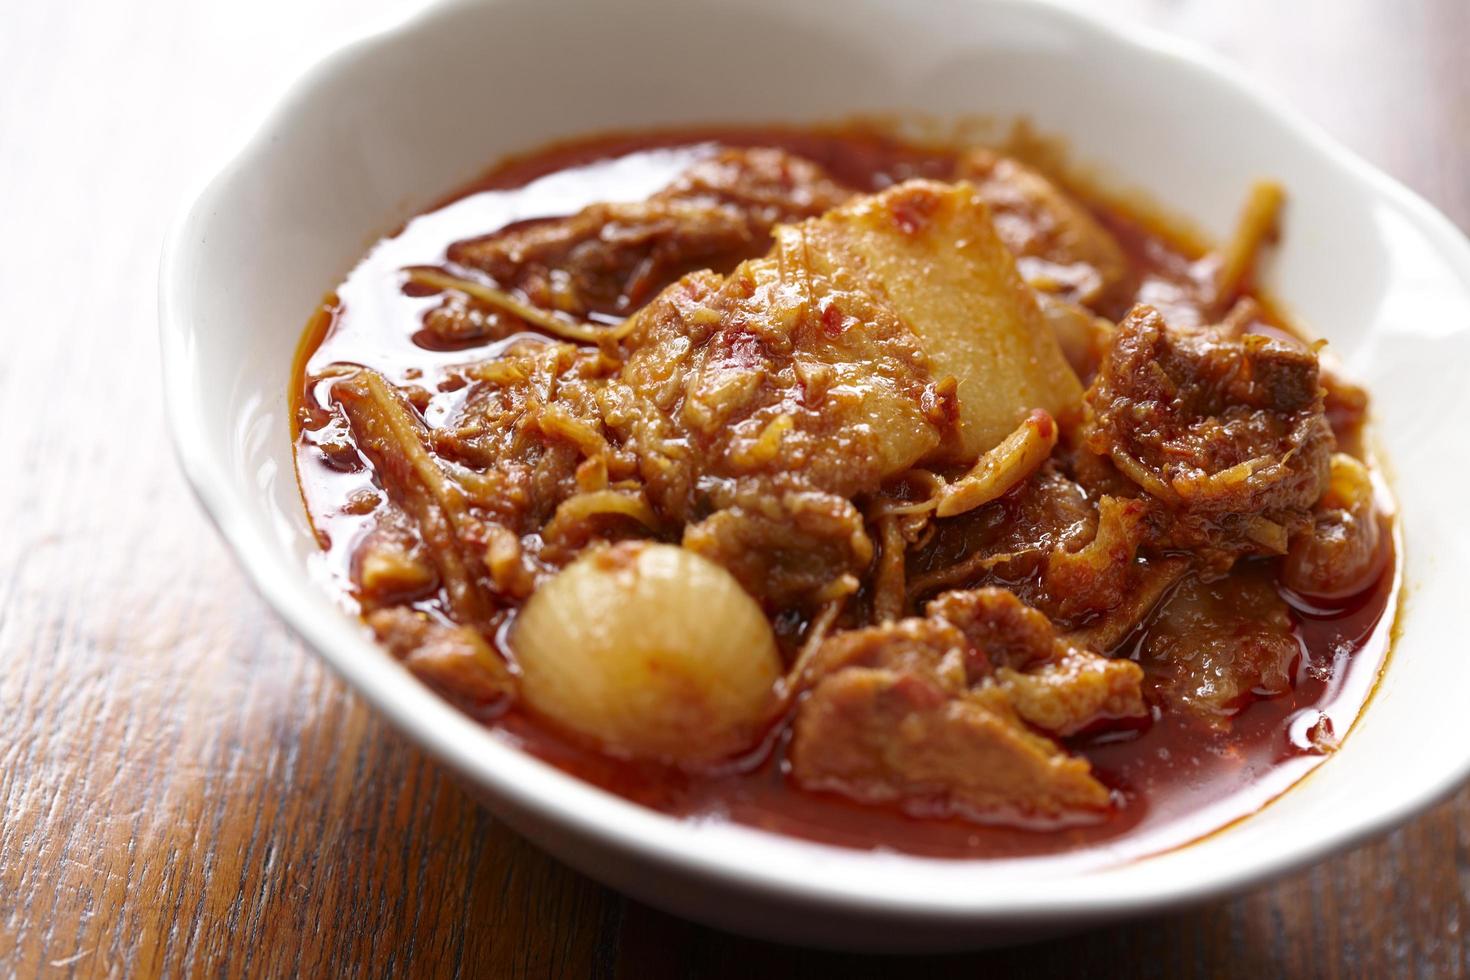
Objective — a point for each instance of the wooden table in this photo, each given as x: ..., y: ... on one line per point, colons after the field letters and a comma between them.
x: 185, y: 789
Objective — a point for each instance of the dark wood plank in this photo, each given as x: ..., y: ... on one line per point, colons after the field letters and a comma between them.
x: 184, y: 790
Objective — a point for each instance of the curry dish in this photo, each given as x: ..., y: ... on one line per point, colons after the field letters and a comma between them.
x: 884, y: 494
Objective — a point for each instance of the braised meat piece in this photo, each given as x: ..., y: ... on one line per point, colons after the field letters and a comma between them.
x: 391, y: 564
x: 1076, y: 558
x: 759, y: 404
x: 1076, y: 692
x: 459, y: 323
x: 1082, y: 335
x: 768, y: 185
x: 1060, y: 247
x: 1009, y: 538
x: 1217, y: 645
x: 454, y: 659
x: 1052, y: 683
x: 612, y: 258
x: 1009, y: 633
x: 1227, y: 435
x: 527, y: 424
x: 938, y: 714
x: 886, y: 737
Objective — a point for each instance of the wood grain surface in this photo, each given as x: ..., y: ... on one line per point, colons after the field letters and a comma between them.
x: 185, y: 790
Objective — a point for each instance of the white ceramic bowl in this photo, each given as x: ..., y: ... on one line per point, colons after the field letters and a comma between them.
x: 388, y: 124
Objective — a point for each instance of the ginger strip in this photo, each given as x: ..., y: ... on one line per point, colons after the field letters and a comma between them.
x: 1257, y: 225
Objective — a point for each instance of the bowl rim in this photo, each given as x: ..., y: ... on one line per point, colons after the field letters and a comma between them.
x: 519, y: 780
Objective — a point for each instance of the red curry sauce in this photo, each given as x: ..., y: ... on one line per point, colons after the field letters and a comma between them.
x: 1178, y: 780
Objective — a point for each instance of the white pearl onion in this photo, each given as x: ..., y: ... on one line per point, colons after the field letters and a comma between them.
x: 651, y: 651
